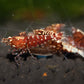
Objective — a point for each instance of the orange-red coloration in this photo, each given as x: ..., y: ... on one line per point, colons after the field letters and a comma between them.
x: 18, y: 42
x: 44, y: 74
x: 48, y: 40
x: 78, y: 37
x: 49, y: 30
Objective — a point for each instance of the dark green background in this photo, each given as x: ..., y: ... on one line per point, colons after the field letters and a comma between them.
x: 39, y: 9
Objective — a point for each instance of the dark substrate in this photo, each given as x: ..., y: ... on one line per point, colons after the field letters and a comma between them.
x: 59, y: 70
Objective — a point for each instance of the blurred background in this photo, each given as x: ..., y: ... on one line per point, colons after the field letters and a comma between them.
x: 31, y: 10
x: 26, y: 15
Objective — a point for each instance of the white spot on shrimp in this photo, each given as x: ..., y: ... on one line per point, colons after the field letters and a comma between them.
x: 54, y: 46
x: 41, y: 35
x: 44, y: 42
x: 33, y: 41
x: 10, y: 40
x: 9, y: 37
x: 28, y: 37
x: 13, y: 45
x: 29, y: 42
x: 41, y: 39
x: 37, y: 36
x: 45, y: 37
x: 52, y: 36
x: 33, y: 36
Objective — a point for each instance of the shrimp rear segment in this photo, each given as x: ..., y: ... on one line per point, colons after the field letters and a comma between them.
x: 78, y: 37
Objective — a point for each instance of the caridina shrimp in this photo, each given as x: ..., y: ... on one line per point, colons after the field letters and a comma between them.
x: 47, y: 40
